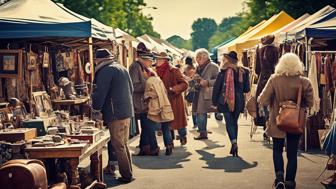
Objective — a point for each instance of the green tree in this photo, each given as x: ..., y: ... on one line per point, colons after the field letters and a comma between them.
x: 180, y: 42
x: 123, y: 14
x: 225, y: 31
x: 203, y: 29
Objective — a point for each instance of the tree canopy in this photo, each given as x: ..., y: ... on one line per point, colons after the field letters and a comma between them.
x: 254, y: 12
x: 180, y: 42
x: 123, y: 14
x: 203, y: 29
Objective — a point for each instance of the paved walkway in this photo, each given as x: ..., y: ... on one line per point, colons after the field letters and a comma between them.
x: 207, y: 164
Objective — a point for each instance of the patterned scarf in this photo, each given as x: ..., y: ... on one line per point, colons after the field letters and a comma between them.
x: 229, y: 96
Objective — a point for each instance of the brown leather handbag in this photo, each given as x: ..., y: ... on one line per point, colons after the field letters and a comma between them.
x: 292, y: 117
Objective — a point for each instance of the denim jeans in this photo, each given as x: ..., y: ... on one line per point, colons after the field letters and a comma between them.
x: 202, y: 120
x: 231, y: 120
x: 182, y: 132
x: 167, y: 137
x: 194, y: 119
x: 292, y: 149
x: 147, y: 136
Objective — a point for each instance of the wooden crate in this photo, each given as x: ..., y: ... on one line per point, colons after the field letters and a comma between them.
x: 18, y: 134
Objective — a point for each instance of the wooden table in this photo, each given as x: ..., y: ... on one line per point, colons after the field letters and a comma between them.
x: 75, y: 153
x: 68, y: 103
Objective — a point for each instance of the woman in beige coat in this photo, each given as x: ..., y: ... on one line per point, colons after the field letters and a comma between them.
x: 282, y: 86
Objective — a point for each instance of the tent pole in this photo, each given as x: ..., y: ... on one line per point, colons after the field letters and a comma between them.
x: 91, y: 58
x: 308, y: 54
x: 307, y: 65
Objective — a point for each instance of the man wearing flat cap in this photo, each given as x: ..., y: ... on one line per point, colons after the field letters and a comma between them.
x: 140, y: 71
x: 112, y: 97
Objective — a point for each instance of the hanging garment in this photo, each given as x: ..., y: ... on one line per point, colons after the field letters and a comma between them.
x: 312, y: 75
x: 333, y: 72
x: 245, y: 60
x: 326, y: 103
x: 328, y: 74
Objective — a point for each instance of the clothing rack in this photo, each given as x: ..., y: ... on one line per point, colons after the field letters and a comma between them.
x: 309, y: 52
x: 313, y: 52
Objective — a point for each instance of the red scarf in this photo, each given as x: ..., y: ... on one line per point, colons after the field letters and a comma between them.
x: 229, y: 96
x: 161, y: 70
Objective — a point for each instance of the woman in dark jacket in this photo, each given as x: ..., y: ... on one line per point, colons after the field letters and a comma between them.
x: 228, y: 95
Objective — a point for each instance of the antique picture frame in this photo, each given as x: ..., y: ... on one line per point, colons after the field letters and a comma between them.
x: 43, y: 106
x: 11, y: 63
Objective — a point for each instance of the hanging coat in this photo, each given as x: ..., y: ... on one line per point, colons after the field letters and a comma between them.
x: 312, y: 75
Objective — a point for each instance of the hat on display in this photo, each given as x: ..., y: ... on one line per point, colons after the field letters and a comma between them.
x: 268, y: 39
x: 63, y: 81
x: 103, y: 53
x: 232, y: 55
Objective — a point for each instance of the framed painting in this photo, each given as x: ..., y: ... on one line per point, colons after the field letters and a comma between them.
x: 10, y: 63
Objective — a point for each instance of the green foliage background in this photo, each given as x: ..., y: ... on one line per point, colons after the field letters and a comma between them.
x: 123, y: 14
x: 254, y: 11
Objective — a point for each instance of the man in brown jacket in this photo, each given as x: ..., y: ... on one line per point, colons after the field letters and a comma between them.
x: 139, y: 72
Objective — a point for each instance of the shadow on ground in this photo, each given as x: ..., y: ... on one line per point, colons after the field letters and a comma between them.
x: 228, y: 164
x: 180, y: 155
x: 110, y: 181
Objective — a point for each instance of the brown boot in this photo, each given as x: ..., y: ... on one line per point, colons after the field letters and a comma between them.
x: 202, y: 136
x: 183, y: 140
x: 155, y: 152
x: 144, y: 151
x: 169, y: 150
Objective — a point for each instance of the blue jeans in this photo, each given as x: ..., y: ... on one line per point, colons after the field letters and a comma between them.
x: 147, y: 136
x: 292, y: 149
x: 194, y: 119
x: 167, y: 137
x: 231, y: 120
x: 202, y: 120
x: 182, y: 132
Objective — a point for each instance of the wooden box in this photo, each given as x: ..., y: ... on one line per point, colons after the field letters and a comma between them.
x: 96, y: 136
x: 17, y: 134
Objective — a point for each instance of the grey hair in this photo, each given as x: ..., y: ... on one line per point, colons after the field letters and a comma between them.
x: 202, y: 52
x: 289, y: 65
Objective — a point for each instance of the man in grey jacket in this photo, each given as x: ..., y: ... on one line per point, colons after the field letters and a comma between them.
x: 207, y: 72
x: 112, y: 97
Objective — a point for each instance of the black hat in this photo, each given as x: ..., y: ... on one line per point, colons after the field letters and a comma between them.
x: 232, y: 55
x: 141, y: 48
x: 189, y: 60
x: 103, y: 53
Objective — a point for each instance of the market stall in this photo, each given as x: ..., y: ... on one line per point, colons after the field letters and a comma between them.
x: 46, y: 58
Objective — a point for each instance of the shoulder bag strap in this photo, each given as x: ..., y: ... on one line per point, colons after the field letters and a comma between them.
x: 299, y: 99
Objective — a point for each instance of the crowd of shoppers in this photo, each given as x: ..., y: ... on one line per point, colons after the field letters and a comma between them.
x: 159, y: 94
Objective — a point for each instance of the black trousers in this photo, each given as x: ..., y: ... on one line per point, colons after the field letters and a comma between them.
x: 292, y: 149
